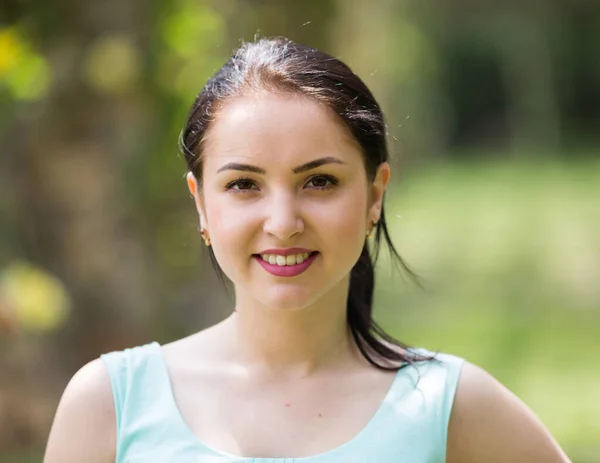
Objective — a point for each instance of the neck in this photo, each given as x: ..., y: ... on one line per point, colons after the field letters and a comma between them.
x: 292, y: 343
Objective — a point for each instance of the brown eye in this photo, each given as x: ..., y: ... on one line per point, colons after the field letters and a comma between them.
x: 322, y: 182
x: 241, y: 184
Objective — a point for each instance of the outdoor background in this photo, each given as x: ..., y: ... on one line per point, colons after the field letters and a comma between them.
x: 494, y: 127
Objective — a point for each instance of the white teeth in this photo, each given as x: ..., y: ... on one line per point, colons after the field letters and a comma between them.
x: 293, y: 259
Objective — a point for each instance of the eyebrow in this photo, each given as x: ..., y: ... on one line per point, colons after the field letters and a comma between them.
x: 296, y: 170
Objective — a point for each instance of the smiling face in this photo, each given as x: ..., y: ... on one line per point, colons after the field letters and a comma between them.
x: 280, y: 172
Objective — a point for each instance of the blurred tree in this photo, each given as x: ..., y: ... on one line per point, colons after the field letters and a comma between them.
x: 70, y: 157
x: 70, y: 144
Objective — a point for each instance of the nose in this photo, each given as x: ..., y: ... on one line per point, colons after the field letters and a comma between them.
x: 283, y: 220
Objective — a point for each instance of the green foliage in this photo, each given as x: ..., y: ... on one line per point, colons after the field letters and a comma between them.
x: 112, y: 65
x: 23, y: 71
x: 193, y: 34
x: 31, y: 299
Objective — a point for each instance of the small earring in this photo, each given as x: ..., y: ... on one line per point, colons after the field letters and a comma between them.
x: 370, y: 230
x: 204, y: 234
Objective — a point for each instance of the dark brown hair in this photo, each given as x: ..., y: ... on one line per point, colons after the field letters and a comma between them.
x: 280, y: 65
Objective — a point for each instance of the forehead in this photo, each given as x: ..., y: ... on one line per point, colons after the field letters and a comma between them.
x: 268, y: 128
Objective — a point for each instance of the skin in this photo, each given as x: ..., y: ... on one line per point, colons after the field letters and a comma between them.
x: 287, y: 341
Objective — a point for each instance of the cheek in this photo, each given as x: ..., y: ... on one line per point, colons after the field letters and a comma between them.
x: 228, y: 218
x: 351, y: 208
x: 230, y: 228
x: 343, y: 221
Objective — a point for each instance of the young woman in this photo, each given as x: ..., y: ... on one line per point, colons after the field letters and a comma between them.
x: 287, y: 158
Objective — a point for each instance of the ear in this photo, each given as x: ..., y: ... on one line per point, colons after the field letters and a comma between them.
x: 382, y: 177
x: 192, y: 184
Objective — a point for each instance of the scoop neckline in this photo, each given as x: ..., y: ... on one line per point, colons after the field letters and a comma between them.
x: 181, y: 422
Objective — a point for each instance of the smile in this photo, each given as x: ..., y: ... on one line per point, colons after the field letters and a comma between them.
x: 292, y: 259
x: 286, y: 266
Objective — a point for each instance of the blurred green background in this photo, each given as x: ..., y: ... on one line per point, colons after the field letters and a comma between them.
x: 494, y: 118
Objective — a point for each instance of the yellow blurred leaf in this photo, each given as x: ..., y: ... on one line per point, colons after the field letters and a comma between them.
x: 30, y: 80
x: 39, y: 300
x: 112, y: 64
x: 23, y: 72
x: 10, y: 49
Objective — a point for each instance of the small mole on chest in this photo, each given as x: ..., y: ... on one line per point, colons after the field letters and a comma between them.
x: 289, y: 405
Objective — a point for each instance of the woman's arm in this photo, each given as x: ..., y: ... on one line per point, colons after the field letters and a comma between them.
x: 489, y: 423
x: 84, y: 427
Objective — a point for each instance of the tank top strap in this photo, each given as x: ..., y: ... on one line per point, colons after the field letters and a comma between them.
x: 418, y: 407
x: 450, y: 367
x: 140, y: 386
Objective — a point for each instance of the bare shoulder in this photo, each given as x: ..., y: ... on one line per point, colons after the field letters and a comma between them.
x: 84, y: 427
x: 489, y: 423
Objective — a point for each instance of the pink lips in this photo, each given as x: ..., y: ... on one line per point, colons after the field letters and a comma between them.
x: 287, y: 270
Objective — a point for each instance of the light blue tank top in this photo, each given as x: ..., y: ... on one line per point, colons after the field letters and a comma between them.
x: 410, y: 425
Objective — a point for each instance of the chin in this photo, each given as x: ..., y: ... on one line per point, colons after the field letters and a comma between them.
x: 288, y: 299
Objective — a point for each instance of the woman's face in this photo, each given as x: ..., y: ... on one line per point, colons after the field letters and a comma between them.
x: 281, y: 176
